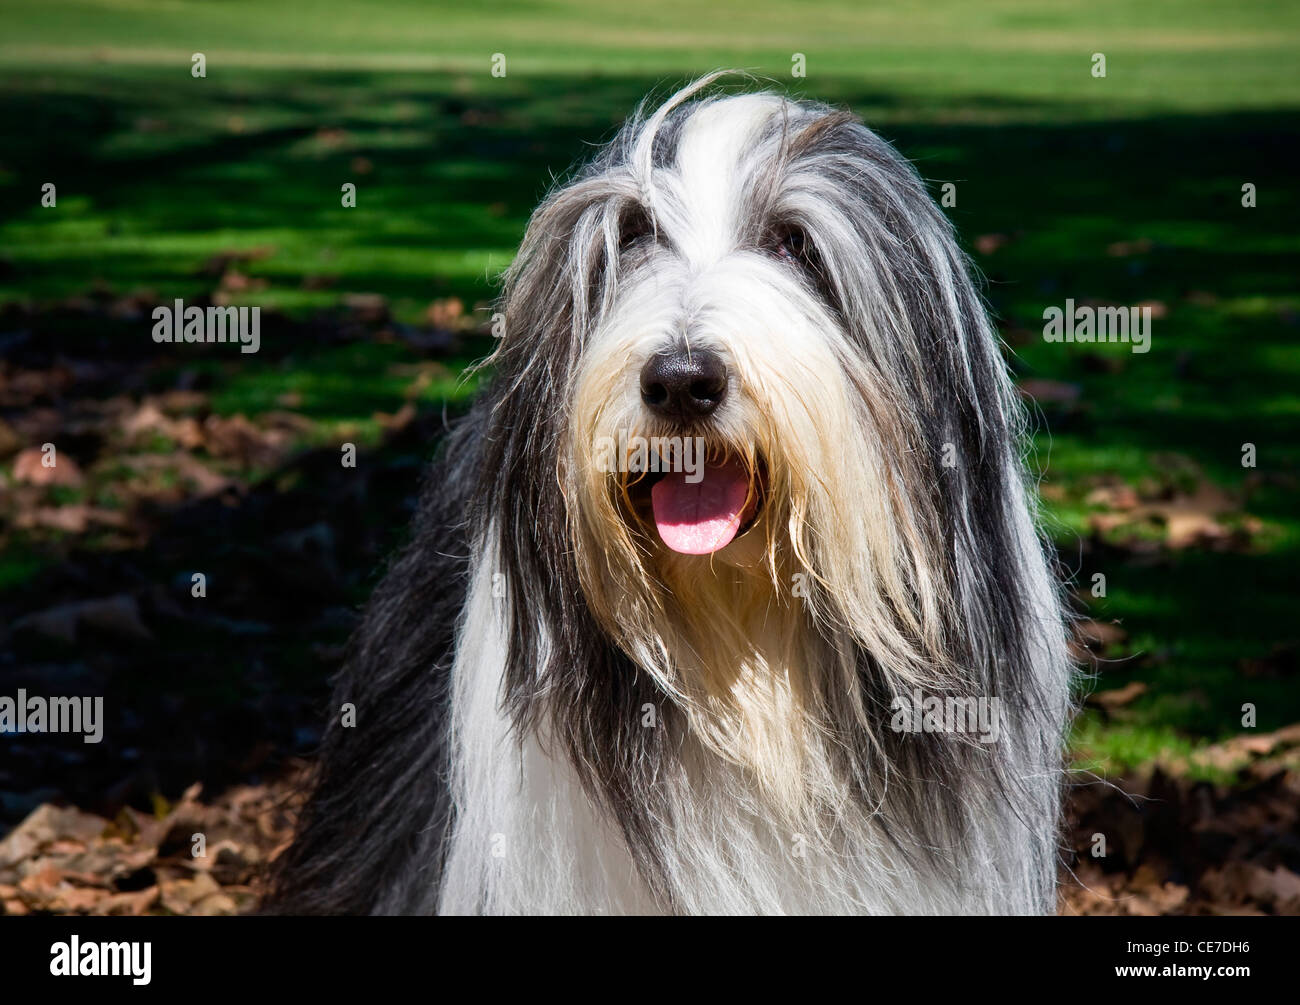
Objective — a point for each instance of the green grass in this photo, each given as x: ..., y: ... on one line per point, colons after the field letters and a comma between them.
x: 1161, y: 53
x: 157, y: 172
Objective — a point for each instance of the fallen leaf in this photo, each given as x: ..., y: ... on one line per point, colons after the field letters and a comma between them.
x: 445, y: 313
x: 45, y: 825
x: 1119, y: 697
x: 399, y: 420
x: 118, y: 615
x: 987, y: 244
x: 30, y: 467
x: 133, y: 903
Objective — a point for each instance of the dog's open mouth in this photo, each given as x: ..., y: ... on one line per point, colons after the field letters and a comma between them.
x: 701, y: 512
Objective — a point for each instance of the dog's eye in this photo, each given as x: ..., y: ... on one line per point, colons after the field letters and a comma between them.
x: 792, y: 245
x: 634, y: 225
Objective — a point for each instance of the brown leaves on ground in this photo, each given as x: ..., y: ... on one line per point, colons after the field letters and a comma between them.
x: 1257, y: 753
x: 34, y: 466
x: 1175, y: 846
x: 133, y: 455
x: 169, y: 487
x: 1189, y: 519
x: 396, y: 421
x: 70, y: 518
x: 154, y: 484
x: 987, y: 244
x: 1093, y: 639
x: 121, y: 449
x: 446, y: 313
x: 63, y: 861
x: 1118, y: 697
x: 238, y: 438
x: 1177, y: 509
x: 1172, y: 847
x: 149, y: 420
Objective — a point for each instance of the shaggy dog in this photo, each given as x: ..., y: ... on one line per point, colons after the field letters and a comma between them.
x: 727, y: 595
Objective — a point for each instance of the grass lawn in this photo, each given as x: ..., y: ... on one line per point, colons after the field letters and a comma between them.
x: 1124, y: 189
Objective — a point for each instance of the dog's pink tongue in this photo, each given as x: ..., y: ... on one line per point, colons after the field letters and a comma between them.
x: 700, y: 518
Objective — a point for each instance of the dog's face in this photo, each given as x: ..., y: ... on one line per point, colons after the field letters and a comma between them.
x: 745, y: 343
x: 735, y: 434
x: 715, y: 375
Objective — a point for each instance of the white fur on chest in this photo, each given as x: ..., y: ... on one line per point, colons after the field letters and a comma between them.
x: 528, y: 840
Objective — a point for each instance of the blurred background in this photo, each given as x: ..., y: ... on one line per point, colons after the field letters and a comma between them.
x: 1125, y: 189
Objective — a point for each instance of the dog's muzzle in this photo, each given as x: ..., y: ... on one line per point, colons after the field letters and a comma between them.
x: 699, y: 512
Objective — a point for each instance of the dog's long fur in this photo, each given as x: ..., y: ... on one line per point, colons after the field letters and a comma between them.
x: 557, y: 714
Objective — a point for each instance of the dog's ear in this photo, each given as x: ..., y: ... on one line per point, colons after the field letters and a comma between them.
x: 938, y: 391
x: 936, y: 399
x: 565, y: 274
x: 563, y: 280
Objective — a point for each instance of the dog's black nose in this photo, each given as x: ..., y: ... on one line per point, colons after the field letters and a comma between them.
x: 684, y: 384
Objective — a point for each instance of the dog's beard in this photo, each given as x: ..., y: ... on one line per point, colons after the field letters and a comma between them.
x: 815, y: 545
